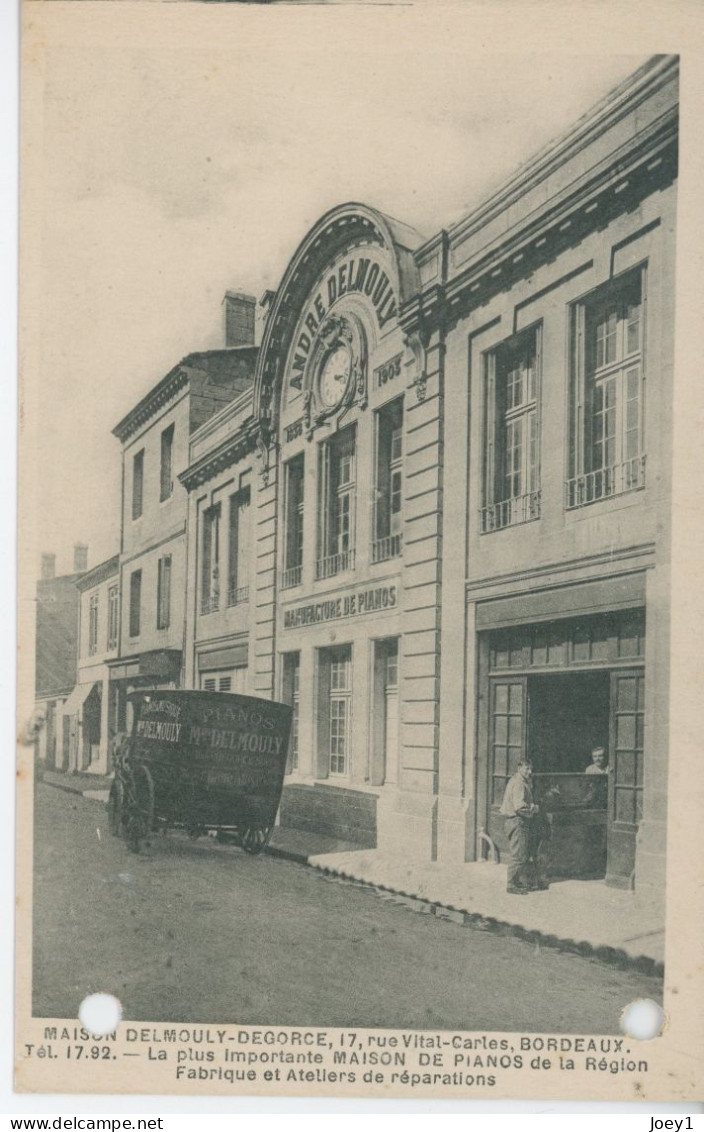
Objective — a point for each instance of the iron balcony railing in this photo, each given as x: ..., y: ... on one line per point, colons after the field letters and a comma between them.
x: 605, y: 482
x: 237, y: 595
x: 210, y: 603
x: 291, y: 577
x: 385, y: 548
x: 511, y: 512
x: 334, y: 564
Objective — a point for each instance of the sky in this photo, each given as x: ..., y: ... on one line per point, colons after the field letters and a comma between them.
x: 172, y: 171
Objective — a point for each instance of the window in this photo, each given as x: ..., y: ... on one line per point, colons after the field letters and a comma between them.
x: 135, y: 602
x: 165, y: 475
x: 93, y: 625
x: 606, y: 441
x: 210, y: 558
x: 293, y: 528
x: 291, y: 694
x: 137, y: 484
x: 335, y: 706
x: 240, y: 548
x: 511, y: 463
x: 340, y: 705
x: 163, y: 596
x: 113, y: 616
x: 337, y: 516
x: 227, y: 680
x: 388, y: 495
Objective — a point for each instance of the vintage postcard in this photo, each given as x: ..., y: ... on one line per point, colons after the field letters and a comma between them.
x: 360, y: 539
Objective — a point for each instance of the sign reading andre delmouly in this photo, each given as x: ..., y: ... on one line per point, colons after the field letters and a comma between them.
x: 354, y: 751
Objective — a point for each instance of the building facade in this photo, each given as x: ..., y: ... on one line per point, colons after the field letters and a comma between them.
x: 56, y: 651
x: 221, y: 565
x: 453, y: 483
x: 85, y: 719
x: 155, y: 437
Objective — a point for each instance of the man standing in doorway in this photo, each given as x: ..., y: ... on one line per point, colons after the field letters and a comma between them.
x: 526, y: 831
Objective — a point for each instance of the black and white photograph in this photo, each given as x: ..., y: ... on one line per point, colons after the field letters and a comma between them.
x: 346, y: 534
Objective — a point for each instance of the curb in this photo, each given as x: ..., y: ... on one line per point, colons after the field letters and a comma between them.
x: 600, y: 953
x: 88, y: 793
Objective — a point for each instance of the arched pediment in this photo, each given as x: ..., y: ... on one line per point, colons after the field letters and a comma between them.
x: 388, y: 283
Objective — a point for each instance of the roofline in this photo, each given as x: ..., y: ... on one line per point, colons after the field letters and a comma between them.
x: 233, y: 448
x: 617, y: 102
x: 175, y: 380
x: 99, y: 573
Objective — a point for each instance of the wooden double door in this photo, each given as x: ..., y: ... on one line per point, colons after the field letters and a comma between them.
x: 556, y: 720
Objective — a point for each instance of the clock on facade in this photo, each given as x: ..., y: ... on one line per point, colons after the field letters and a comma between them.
x: 334, y: 376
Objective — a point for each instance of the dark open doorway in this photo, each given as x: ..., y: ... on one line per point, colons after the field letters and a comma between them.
x: 568, y: 715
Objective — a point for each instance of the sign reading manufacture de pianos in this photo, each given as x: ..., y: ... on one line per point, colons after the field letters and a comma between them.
x: 351, y: 604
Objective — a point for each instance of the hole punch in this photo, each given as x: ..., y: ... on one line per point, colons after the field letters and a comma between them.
x: 100, y: 1013
x: 643, y: 1020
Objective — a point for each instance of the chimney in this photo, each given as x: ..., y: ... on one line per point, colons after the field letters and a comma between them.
x: 48, y: 566
x: 238, y: 318
x: 80, y: 558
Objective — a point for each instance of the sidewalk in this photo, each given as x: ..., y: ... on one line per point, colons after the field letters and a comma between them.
x: 608, y: 924
x: 94, y: 786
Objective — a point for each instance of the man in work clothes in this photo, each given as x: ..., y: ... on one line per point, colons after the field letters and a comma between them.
x: 526, y: 830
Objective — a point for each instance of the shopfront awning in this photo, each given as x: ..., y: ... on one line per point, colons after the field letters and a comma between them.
x: 73, y: 704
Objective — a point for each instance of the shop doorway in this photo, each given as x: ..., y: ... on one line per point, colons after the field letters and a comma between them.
x: 556, y: 721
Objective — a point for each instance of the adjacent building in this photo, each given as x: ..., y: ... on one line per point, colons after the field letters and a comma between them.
x: 438, y: 524
x: 155, y: 437
x: 85, y: 716
x: 56, y: 654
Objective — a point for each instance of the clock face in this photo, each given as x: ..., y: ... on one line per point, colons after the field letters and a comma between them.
x: 334, y: 376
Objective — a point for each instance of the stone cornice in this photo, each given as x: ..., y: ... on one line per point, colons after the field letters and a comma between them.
x: 630, y: 559
x: 99, y: 573
x: 154, y: 400
x: 641, y: 166
x: 232, y: 449
x: 623, y: 100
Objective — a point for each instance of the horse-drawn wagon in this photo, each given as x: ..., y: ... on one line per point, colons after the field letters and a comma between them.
x: 201, y: 761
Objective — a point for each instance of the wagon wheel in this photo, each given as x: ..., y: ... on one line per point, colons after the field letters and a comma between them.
x: 139, y: 814
x: 115, y: 807
x: 254, y: 838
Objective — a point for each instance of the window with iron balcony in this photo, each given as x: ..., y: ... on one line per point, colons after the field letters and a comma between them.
x: 293, y: 522
x: 607, y: 456
x: 336, y: 532
x: 512, y: 432
x: 388, y: 493
x: 240, y: 544
x: 210, y: 561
